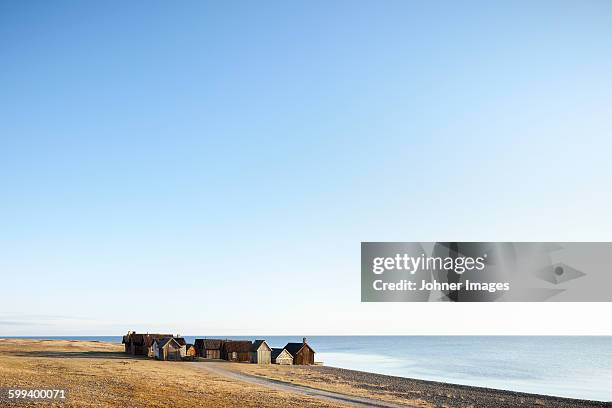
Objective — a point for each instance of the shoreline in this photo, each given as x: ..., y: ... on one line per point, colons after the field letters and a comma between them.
x: 395, y: 388
x: 83, y: 360
x: 458, y: 384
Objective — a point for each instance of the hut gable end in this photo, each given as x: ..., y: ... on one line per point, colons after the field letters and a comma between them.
x: 281, y: 356
x: 302, y: 353
x: 260, y: 345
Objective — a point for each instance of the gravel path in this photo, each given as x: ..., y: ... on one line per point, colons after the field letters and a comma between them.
x: 219, y: 369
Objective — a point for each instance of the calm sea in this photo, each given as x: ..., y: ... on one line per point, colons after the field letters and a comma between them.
x: 577, y: 367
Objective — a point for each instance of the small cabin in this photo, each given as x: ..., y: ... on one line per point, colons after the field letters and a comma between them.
x: 261, y: 353
x: 209, y: 348
x: 302, y: 353
x: 167, y: 349
x: 281, y: 356
x: 183, y: 343
x: 149, y: 339
x: 191, y: 352
x: 237, y: 350
x: 139, y: 344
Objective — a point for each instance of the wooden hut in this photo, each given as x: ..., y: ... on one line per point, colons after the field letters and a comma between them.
x: 191, y: 353
x: 302, y: 353
x: 181, y: 342
x: 139, y: 344
x: 149, y: 339
x: 281, y: 356
x: 261, y: 353
x: 209, y: 348
x: 135, y: 344
x: 167, y: 349
x: 236, y: 350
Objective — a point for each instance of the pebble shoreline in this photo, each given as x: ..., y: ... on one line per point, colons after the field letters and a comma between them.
x: 451, y: 395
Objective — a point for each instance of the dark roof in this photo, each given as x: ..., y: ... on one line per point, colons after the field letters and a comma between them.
x: 161, y: 343
x: 141, y: 339
x: 238, y: 346
x: 150, y: 338
x: 137, y: 339
x: 257, y: 344
x: 180, y: 340
x: 209, y: 344
x: 276, y: 352
x: 294, y: 348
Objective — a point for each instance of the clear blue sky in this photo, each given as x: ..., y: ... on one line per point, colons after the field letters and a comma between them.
x: 226, y: 159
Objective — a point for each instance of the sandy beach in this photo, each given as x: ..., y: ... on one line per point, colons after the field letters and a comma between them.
x: 98, y: 374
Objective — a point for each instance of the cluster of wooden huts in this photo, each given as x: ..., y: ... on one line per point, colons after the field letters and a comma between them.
x: 159, y: 346
x: 170, y: 347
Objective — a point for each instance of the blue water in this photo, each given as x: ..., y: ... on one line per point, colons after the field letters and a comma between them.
x: 568, y: 366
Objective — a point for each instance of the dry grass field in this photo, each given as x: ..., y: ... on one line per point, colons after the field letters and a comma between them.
x: 101, y: 375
